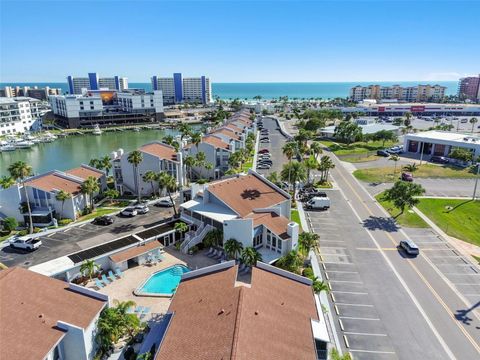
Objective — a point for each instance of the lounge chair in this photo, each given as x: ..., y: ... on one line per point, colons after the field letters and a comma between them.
x: 105, y: 280
x: 99, y: 284
x: 219, y: 255
x: 210, y: 251
x: 213, y: 254
x: 118, y: 272
x: 111, y: 276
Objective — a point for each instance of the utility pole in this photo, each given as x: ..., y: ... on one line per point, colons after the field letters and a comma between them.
x: 476, y: 181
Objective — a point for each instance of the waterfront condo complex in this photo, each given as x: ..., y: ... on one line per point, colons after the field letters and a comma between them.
x: 77, y: 85
x: 178, y: 89
x: 419, y: 93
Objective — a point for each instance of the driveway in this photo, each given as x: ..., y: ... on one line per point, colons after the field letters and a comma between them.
x: 81, y: 237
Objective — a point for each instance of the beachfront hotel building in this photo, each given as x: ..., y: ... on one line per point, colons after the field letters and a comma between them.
x: 246, y: 207
x: 45, y: 318
x: 19, y: 115
x: 107, y: 107
x: 469, y: 88
x: 78, y: 85
x: 214, y: 316
x: 27, y: 91
x: 177, y: 89
x: 419, y: 93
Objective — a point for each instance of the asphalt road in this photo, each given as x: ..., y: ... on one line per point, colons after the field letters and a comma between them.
x: 417, y: 308
x: 82, y: 237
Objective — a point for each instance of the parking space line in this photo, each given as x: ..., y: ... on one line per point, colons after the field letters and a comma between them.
x: 50, y: 235
x: 373, y: 351
x: 340, y: 271
x: 358, y: 318
x: 67, y: 229
x: 347, y: 304
x: 82, y: 225
x: 350, y: 292
x: 367, y: 334
x: 346, y: 281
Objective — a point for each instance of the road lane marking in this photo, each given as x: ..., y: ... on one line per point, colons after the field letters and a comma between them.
x: 439, y: 299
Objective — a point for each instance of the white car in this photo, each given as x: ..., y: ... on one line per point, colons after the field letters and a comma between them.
x: 130, y: 211
x: 142, y: 209
x: 25, y: 243
x: 265, y: 141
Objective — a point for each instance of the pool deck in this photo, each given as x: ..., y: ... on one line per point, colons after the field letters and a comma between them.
x: 122, y: 289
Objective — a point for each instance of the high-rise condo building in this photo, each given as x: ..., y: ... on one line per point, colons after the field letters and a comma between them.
x: 94, y: 82
x: 33, y: 92
x: 19, y: 114
x: 469, y: 88
x: 419, y: 93
x: 177, y: 89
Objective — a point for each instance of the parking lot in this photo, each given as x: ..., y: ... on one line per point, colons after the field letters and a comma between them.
x: 277, y: 140
x: 461, y: 273
x: 82, y: 237
x: 354, y: 309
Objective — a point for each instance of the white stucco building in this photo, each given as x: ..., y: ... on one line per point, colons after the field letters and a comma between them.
x: 19, y: 114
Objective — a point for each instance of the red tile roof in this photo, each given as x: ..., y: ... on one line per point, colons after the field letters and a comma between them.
x: 213, y: 319
x: 276, y: 223
x: 215, y: 141
x: 233, y: 127
x: 84, y: 172
x: 54, y: 182
x: 163, y: 151
x: 245, y: 193
x: 30, y: 307
x: 227, y: 132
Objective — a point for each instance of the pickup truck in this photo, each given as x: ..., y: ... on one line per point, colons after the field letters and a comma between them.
x: 25, y: 243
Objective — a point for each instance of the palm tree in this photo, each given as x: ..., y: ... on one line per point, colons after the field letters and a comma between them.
x: 169, y: 183
x: 185, y: 130
x: 196, y: 138
x: 325, y: 165
x: 250, y: 256
x: 292, y: 262
x: 95, y: 163
x: 189, y: 162
x: 273, y: 177
x: 135, y: 158
x: 6, y: 182
x: 233, y: 248
x: 319, y: 286
x: 150, y: 176
x: 308, y: 241
x: 181, y: 228
x: 316, y: 149
x: 294, y: 172
x: 473, y: 121
x: 20, y: 170
x: 63, y: 195
x: 169, y: 140
x: 111, y: 194
x: 89, y: 268
x: 410, y: 167
x: 89, y: 187
x: 290, y: 149
x: 394, y: 158
x: 310, y: 164
x: 213, y: 238
x: 106, y: 164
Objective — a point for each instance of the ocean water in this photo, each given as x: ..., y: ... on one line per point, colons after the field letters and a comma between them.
x: 324, y: 90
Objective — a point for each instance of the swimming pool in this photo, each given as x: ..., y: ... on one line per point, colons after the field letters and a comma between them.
x: 164, y: 282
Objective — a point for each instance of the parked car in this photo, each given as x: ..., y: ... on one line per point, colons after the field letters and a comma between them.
x: 265, y: 156
x: 164, y: 203
x: 103, y: 220
x: 410, y: 247
x: 264, y: 166
x: 25, y: 243
x: 318, y: 203
x: 142, y: 209
x: 268, y: 162
x: 463, y: 121
x: 395, y: 150
x: 383, y: 153
x: 439, y: 159
x: 407, y: 176
x: 265, y: 141
x: 264, y: 151
x: 129, y: 211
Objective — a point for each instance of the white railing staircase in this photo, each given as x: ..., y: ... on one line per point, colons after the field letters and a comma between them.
x: 194, y: 238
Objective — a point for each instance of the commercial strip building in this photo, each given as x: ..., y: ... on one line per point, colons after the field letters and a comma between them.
x: 419, y: 93
x: 78, y: 85
x: 440, y: 143
x: 19, y: 115
x: 177, y: 89
x: 107, y: 107
x: 248, y: 208
x: 33, y: 92
x: 45, y: 318
x: 368, y: 126
x: 469, y: 88
x: 372, y: 108
x: 42, y: 191
x: 212, y: 316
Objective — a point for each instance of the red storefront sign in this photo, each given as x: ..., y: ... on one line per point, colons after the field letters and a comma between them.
x: 417, y: 108
x: 381, y: 109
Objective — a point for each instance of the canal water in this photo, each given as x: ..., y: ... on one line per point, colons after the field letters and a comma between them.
x: 69, y: 152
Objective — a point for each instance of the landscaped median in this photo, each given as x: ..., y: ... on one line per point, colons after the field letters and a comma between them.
x: 385, y: 174
x: 408, y: 219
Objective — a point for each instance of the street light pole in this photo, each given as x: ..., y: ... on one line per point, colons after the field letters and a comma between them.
x: 476, y: 181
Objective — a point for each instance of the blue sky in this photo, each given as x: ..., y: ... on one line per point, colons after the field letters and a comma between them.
x: 240, y: 41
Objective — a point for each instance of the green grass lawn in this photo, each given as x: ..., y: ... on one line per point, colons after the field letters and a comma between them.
x: 295, y: 216
x: 359, y: 158
x: 95, y: 213
x: 356, y: 148
x: 407, y: 219
x: 461, y: 222
x: 385, y: 174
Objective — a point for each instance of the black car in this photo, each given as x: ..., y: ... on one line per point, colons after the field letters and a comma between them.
x: 439, y: 159
x: 103, y: 220
x: 383, y: 153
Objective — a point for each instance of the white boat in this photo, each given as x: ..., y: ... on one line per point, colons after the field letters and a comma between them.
x: 97, y: 130
x: 25, y: 144
x: 7, y: 147
x: 50, y: 136
x: 46, y: 139
x: 28, y: 137
x: 136, y: 129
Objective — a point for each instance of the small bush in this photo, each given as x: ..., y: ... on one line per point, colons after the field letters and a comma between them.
x: 308, y: 272
x: 10, y: 224
x: 23, y: 232
x: 63, y: 222
x: 193, y: 250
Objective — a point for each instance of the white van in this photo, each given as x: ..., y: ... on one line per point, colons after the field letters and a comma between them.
x: 318, y: 203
